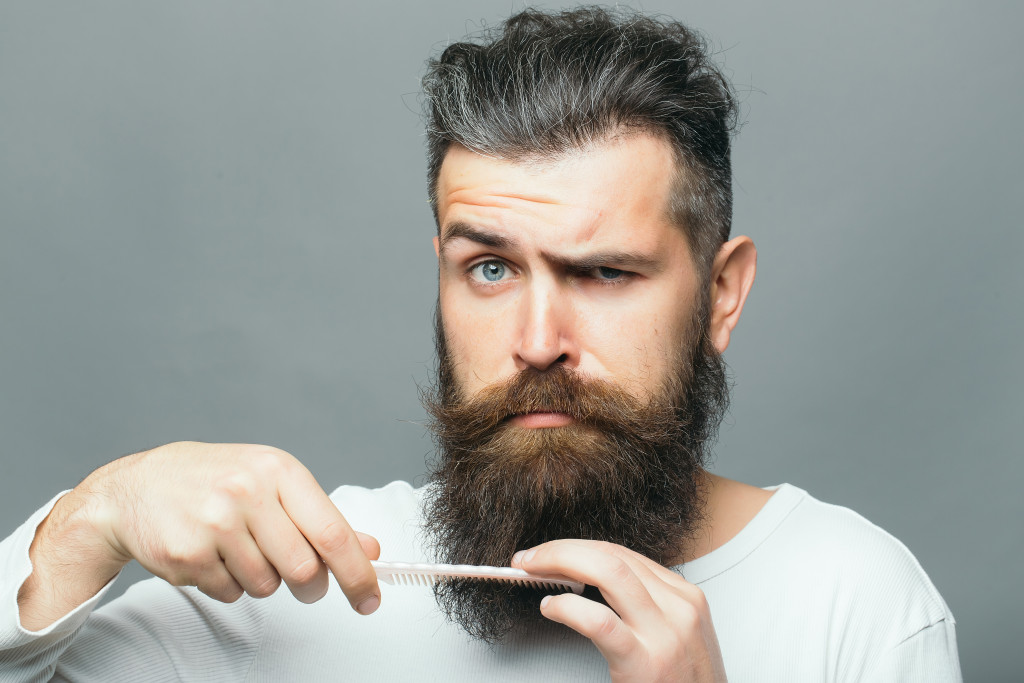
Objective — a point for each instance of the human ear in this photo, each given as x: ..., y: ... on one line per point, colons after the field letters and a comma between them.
x: 732, y: 276
x: 437, y: 247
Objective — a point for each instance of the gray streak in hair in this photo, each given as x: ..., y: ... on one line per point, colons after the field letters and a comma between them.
x: 542, y: 85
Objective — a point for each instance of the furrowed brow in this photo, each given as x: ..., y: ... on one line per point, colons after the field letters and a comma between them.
x: 624, y: 260
x: 613, y: 259
x: 459, y: 230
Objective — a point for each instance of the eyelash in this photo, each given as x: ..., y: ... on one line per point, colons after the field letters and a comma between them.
x: 624, y: 275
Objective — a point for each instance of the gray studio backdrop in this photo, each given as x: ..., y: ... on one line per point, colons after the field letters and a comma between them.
x: 214, y: 227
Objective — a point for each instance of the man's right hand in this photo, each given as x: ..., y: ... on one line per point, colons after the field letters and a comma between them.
x: 226, y: 518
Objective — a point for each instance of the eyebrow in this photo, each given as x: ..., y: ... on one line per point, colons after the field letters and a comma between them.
x: 623, y: 259
x: 458, y: 229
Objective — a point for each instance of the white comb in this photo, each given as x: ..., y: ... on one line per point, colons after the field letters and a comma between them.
x: 402, y: 573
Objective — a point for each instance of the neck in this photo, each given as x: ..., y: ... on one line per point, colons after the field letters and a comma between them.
x: 729, y: 506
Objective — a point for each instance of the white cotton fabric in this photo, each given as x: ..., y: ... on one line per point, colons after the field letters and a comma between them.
x: 805, y: 592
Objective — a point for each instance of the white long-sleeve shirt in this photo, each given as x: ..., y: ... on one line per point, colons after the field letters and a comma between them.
x: 805, y: 592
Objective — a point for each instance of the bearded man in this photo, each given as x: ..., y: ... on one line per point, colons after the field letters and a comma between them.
x: 580, y: 178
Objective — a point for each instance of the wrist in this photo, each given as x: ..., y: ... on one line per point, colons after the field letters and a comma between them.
x: 71, y: 562
x: 81, y: 527
x: 91, y: 513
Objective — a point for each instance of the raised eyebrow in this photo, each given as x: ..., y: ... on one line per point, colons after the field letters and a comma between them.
x: 612, y: 259
x: 459, y: 230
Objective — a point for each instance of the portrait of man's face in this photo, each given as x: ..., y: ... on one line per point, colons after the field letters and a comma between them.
x: 573, y: 261
x: 577, y: 379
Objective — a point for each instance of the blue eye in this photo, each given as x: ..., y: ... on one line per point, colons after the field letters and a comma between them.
x: 491, y: 271
x: 606, y: 273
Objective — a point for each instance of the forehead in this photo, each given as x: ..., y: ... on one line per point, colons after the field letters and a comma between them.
x: 613, y: 190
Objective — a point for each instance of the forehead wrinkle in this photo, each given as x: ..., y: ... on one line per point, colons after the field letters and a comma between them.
x: 515, y: 197
x: 584, y: 221
x: 585, y: 245
x: 506, y: 228
x: 475, y: 195
x: 500, y: 197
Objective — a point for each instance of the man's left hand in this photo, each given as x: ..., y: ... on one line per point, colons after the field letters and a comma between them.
x: 658, y: 626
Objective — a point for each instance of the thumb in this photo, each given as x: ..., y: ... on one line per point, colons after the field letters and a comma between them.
x: 369, y: 544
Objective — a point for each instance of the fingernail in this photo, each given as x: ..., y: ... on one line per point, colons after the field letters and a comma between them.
x: 544, y: 601
x: 369, y: 605
x: 529, y: 555
x: 518, y: 557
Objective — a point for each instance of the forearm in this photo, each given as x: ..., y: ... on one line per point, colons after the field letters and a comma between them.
x: 70, y: 564
x: 29, y: 650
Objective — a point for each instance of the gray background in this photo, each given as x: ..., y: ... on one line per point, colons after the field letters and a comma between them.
x: 214, y: 227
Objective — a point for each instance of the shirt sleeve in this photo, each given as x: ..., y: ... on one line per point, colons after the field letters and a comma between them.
x: 928, y: 656
x: 154, y: 632
x: 32, y: 655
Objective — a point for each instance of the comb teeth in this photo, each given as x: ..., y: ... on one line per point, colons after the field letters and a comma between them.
x: 405, y: 574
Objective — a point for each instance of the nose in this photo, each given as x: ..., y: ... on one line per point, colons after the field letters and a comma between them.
x: 546, y: 329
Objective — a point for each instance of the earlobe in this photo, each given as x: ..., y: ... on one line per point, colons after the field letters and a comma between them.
x: 732, y: 276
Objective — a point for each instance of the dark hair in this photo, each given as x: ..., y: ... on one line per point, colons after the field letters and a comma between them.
x: 541, y: 85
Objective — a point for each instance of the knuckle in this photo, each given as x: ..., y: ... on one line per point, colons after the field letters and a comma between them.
x: 618, y: 570
x: 171, y: 561
x: 269, y: 461
x: 687, y: 620
x: 239, y: 485
x: 357, y: 588
x: 178, y: 578
x: 305, y: 572
x: 226, y: 594
x: 334, y: 538
x: 603, y: 626
x: 357, y: 592
x: 219, y: 517
x: 266, y: 588
x: 217, y: 588
x: 607, y: 547
x: 183, y: 558
x: 700, y: 601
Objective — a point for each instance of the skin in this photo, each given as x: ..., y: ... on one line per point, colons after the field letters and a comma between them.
x: 238, y: 518
x: 553, y: 303
x: 576, y: 262
x: 227, y: 518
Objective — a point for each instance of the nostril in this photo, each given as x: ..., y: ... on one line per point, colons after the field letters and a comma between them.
x: 561, y: 359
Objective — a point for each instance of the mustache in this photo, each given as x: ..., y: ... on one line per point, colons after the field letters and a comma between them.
x: 625, y: 470
x: 591, y: 402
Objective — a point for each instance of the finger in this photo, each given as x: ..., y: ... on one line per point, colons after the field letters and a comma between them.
x: 323, y: 525
x: 672, y: 592
x: 614, y: 575
x: 683, y: 604
x: 655, y: 577
x: 370, y: 545
x: 291, y: 555
x: 592, y: 620
x: 661, y: 572
x: 217, y: 582
x: 247, y: 564
x: 676, y: 601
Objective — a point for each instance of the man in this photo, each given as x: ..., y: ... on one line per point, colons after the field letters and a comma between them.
x: 579, y: 174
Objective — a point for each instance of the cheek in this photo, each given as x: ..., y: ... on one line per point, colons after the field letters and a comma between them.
x: 636, y: 356
x: 637, y: 347
x: 477, y: 340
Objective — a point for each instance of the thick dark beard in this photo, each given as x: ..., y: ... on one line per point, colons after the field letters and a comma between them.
x: 625, y: 471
